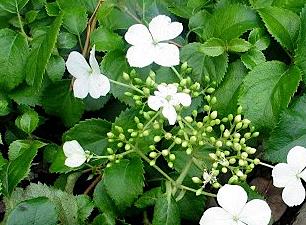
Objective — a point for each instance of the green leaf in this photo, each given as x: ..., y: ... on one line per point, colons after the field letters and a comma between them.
x: 104, y: 219
x: 52, y: 9
x: 192, y: 206
x: 300, y: 53
x: 5, y: 105
x: 166, y: 212
x: 66, y: 40
x: 91, y: 134
x: 13, y: 56
x: 238, y: 45
x: 106, y: 40
x: 289, y: 132
x: 149, y: 198
x: 202, y: 65
x: 213, y: 47
x: 258, y: 4
x: 19, y: 147
x: 28, y: 121
x: 230, y: 22
x: 128, y: 185
x: 293, y: 5
x: 35, y: 211
x: 253, y: 58
x: 266, y: 91
x: 40, y: 55
x: 282, y: 24
x: 197, y: 22
x: 17, y: 169
x: 56, y: 68
x: 259, y: 39
x: 75, y: 20
x: 85, y: 207
x: 13, y: 6
x: 58, y: 100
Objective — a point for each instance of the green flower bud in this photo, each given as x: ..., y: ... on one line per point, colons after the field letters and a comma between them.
x: 239, y: 173
x: 225, y: 120
x: 109, y: 165
x: 226, y: 133
x: 172, y: 157
x: 233, y: 179
x: 239, y: 110
x: 119, y: 129
x: 157, y: 139
x: 198, y: 192
x: 214, y: 115
x: 110, y: 135
x: 230, y: 117
x: 212, y: 139
x: 232, y: 161
x: 152, y: 147
x: 247, y: 135
x: 228, y: 143
x: 242, y: 141
x: 213, y: 156
x: 193, y: 139
x: 256, y: 134
x: 146, y: 91
x: 215, y: 165
x: 256, y: 161
x: 244, y: 155
x: 184, y: 66
x: 128, y: 94
x: 121, y: 137
x: 253, y: 188
x: 215, y: 172
x: 152, y: 155
x: 140, y: 126
x: 110, y: 151
x: 188, y: 151
x: 210, y: 90
x: 213, y: 100
x: 184, y: 144
x: 111, y: 157
x: 241, y: 162
x: 227, y: 153
x: 224, y: 170
x: 136, y: 119
x: 126, y: 76
x: 127, y: 147
x: 237, y: 146
x: 134, y: 134
x: 201, y: 143
x: 178, y: 141
x: 146, y: 133
x: 196, y: 180
x: 165, y: 152
x: 209, y: 129
x: 218, y: 144
x: 206, y: 108
x: 170, y: 164
x: 207, y: 98
x: 194, y: 113
x: 239, y: 125
x: 206, y: 78
x: 152, y: 162
x: 183, y: 82
x: 216, y: 185
x: 120, y: 145
x: 222, y: 127
x: 237, y: 118
x: 189, y: 119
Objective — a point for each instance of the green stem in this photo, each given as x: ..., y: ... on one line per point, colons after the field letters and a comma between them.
x: 151, y: 120
x: 194, y: 190
x: 127, y: 86
x: 184, y: 172
x: 121, y: 154
x: 176, y: 73
x: 266, y: 165
x: 21, y: 26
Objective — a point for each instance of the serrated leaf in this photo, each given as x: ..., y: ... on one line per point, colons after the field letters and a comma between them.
x: 238, y: 45
x: 230, y: 22
x: 106, y: 40
x: 75, y: 20
x: 253, y: 58
x: 266, y: 91
x: 213, y: 47
x: 282, y: 24
x: 52, y: 9
x: 192, y: 206
x: 197, y: 22
x: 126, y: 187
x: 13, y: 6
x: 300, y: 53
x: 58, y: 100
x: 55, y: 68
x: 149, y: 198
x: 166, y: 212
x: 28, y: 121
x: 289, y: 132
x: 104, y: 219
x: 40, y: 55
x: 259, y: 39
x: 293, y: 5
x: 214, y: 67
x: 85, y: 207
x: 35, y: 211
x: 258, y: 4
x: 19, y: 147
x: 13, y: 56
x: 66, y: 40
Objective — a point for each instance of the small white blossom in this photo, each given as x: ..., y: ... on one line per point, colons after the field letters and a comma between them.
x: 288, y: 176
x: 236, y: 210
x: 75, y: 154
x: 150, y: 44
x: 88, y: 77
x: 166, y: 98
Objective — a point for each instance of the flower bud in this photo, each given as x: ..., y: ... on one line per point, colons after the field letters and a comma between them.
x: 196, y: 180
x: 256, y: 134
x: 213, y: 100
x: 228, y: 143
x: 165, y: 152
x: 219, y: 144
x: 224, y: 170
x: 206, y: 108
x: 152, y: 147
x: 213, y: 156
x: 256, y: 161
x: 209, y: 129
x: 193, y: 139
x: 184, y: 66
x: 152, y: 155
x: 247, y: 135
x: 170, y: 164
x: 152, y: 162
x: 214, y: 115
x: 226, y: 133
x: 198, y: 192
x: 232, y: 161
x: 157, y: 139
x: 188, y: 151
x: 189, y: 119
x: 126, y: 76
x: 237, y: 118
x: 172, y: 157
x: 168, y: 136
x: 210, y: 90
x: 216, y: 185
x: 127, y: 147
x: 140, y: 126
x: 237, y: 146
x: 230, y: 117
x: 178, y: 140
x: 239, y: 110
x: 239, y: 125
x: 233, y: 179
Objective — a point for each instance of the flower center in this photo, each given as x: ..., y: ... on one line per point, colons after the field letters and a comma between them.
x: 236, y: 218
x: 168, y: 98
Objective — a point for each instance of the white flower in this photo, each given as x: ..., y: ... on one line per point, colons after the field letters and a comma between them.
x: 150, y: 45
x: 88, y: 77
x: 236, y: 210
x: 75, y: 154
x: 167, y: 98
x: 289, y: 175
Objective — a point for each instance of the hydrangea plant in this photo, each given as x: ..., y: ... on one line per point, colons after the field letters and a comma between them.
x: 141, y: 112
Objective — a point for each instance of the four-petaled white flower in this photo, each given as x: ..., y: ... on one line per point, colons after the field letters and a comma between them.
x: 88, y: 77
x: 150, y: 45
x: 236, y: 210
x: 75, y: 154
x: 289, y: 175
x: 167, y: 98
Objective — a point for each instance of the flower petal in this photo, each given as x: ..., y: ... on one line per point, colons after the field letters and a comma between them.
x: 232, y: 198
x: 296, y: 158
x: 93, y: 61
x: 256, y: 212
x: 75, y: 161
x: 170, y: 113
x: 138, y: 34
x: 162, y: 29
x: 99, y: 85
x: 282, y: 174
x: 80, y: 88
x: 217, y: 216
x: 155, y: 102
x: 72, y: 148
x: 167, y: 55
x: 140, y: 56
x: 183, y: 99
x: 303, y: 175
x: 77, y: 65
x: 294, y: 193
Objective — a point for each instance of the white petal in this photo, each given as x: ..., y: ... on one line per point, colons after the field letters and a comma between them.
x: 303, y: 175
x: 232, y: 198
x: 296, y: 158
x: 93, y: 61
x: 162, y: 29
x: 294, y: 193
x: 256, y: 212
x: 72, y: 148
x: 138, y: 34
x: 282, y: 174
x: 183, y: 99
x: 99, y: 85
x: 155, y: 102
x: 80, y: 87
x: 140, y: 56
x: 216, y: 216
x: 171, y: 89
x: 167, y: 55
x: 75, y: 161
x: 170, y: 113
x: 163, y: 89
x: 77, y: 65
